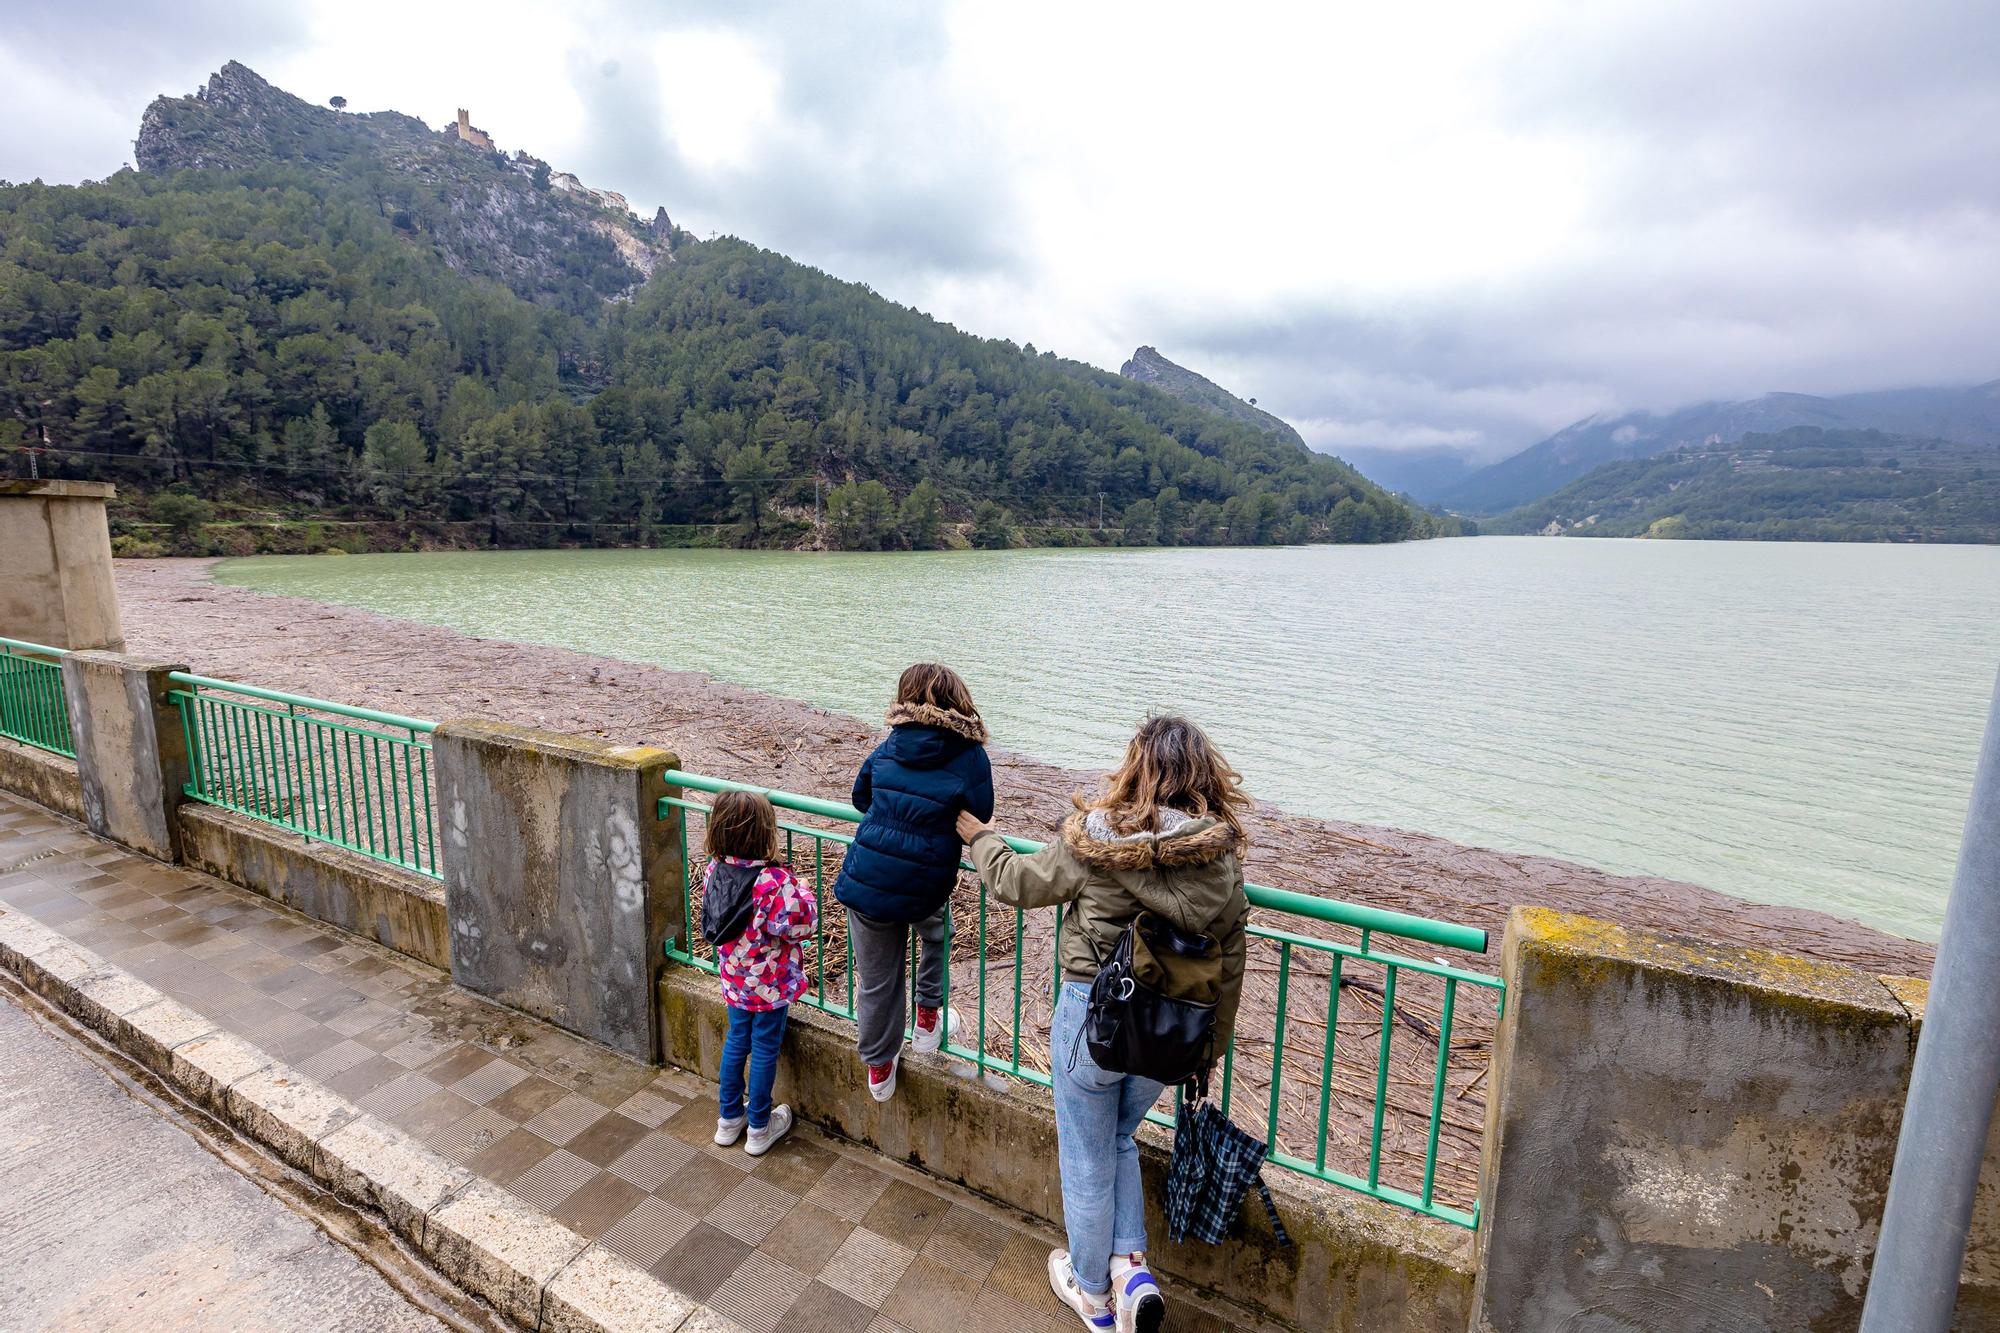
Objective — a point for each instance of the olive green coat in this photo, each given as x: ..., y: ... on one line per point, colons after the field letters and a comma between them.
x: 1189, y: 873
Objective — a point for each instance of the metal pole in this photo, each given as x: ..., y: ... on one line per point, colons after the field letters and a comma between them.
x: 1914, y: 1285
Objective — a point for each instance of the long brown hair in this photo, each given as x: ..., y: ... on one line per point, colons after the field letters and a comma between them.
x: 938, y: 686
x: 1170, y: 763
x: 742, y: 824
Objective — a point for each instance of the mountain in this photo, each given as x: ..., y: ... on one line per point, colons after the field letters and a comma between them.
x: 1148, y: 367
x: 542, y: 233
x: 1801, y: 484
x: 1423, y: 473
x: 1963, y: 416
x: 296, y: 328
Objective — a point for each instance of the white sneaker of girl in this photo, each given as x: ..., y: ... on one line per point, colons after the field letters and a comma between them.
x: 930, y: 1040
x: 728, y: 1131
x: 774, y: 1129
x: 1095, y: 1311
x: 1135, y: 1295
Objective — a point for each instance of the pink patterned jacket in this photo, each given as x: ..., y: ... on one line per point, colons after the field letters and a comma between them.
x: 765, y: 967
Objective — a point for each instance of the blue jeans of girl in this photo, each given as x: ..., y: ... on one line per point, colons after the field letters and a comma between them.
x: 1104, y: 1206
x: 753, y: 1039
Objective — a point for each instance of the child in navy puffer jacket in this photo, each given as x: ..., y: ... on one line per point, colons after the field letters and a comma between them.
x: 904, y: 861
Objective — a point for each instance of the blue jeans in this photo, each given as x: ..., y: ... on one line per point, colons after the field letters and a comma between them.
x: 754, y: 1038
x: 1104, y: 1205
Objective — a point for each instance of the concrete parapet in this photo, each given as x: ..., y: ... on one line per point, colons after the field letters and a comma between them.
x: 396, y: 908
x: 55, y: 545
x: 558, y: 875
x: 49, y: 780
x: 1356, y: 1264
x: 131, y: 749
x: 1681, y: 1135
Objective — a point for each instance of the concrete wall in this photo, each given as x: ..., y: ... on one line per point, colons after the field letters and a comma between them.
x: 1688, y: 1137
x: 131, y: 749
x: 1356, y: 1265
x: 394, y: 907
x: 558, y: 875
x: 48, y: 780
x: 56, y: 548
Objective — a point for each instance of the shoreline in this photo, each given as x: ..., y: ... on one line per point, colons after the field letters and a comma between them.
x: 173, y: 609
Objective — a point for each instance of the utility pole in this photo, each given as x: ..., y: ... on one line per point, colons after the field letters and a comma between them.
x: 1914, y: 1285
x: 1100, y: 511
x: 815, y: 503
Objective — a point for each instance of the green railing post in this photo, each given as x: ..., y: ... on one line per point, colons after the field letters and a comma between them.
x: 323, y: 770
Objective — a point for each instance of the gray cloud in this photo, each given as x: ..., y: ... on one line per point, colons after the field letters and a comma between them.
x: 875, y: 164
x: 1798, y: 195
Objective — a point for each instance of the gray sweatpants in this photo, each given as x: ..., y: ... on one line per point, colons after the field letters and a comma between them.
x: 881, y: 956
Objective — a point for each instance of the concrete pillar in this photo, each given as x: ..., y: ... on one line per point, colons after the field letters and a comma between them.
x: 131, y: 750
x: 1683, y: 1136
x: 55, y: 547
x: 560, y: 879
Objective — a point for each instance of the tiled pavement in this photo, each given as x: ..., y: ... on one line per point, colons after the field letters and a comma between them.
x: 815, y: 1237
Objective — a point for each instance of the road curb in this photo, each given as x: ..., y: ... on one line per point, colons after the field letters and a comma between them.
x: 483, y: 1239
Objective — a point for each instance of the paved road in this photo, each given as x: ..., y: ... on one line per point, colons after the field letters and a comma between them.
x: 113, y: 1215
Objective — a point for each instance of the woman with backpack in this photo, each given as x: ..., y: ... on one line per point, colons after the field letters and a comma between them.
x: 1151, y: 867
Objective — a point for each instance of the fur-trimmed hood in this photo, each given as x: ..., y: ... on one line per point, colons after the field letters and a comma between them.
x: 944, y: 719
x: 1180, y: 842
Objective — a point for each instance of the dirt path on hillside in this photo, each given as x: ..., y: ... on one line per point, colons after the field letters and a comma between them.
x: 172, y: 610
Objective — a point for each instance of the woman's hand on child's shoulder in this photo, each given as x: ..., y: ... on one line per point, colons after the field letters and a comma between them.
x: 970, y: 826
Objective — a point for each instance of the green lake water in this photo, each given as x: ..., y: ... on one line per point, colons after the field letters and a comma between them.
x: 1790, y: 723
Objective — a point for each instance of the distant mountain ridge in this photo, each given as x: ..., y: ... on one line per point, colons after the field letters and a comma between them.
x: 543, y: 233
x: 1148, y: 367
x: 1801, y: 484
x: 1424, y: 472
x: 1958, y: 415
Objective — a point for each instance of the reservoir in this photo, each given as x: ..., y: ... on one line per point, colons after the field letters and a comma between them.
x: 1785, y: 722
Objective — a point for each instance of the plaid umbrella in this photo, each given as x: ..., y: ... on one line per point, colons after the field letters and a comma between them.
x: 1214, y: 1164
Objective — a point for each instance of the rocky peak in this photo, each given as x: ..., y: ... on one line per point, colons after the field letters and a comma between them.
x: 482, y: 212
x: 1148, y: 367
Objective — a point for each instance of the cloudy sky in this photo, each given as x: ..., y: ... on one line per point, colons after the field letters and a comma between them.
x: 1463, y: 224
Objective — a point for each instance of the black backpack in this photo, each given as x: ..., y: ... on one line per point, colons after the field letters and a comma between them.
x: 727, y: 902
x: 1152, y: 1007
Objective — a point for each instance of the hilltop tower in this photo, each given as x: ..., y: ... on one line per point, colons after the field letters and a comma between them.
x: 477, y: 138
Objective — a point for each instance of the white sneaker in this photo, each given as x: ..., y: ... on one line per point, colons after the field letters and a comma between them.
x: 779, y: 1125
x: 929, y: 1041
x: 882, y: 1089
x: 1095, y: 1311
x: 1135, y: 1295
x: 728, y: 1131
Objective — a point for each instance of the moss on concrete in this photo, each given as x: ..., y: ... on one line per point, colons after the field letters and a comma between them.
x: 1594, y: 951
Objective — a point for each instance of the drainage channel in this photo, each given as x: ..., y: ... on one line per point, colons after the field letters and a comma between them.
x: 358, y: 1232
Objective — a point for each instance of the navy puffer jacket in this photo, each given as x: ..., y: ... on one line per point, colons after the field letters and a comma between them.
x: 905, y: 854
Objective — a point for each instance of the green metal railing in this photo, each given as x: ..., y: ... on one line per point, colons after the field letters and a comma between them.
x: 1333, y: 1107
x: 350, y: 777
x: 33, y: 710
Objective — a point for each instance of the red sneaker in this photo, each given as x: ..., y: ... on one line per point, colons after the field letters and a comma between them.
x: 882, y: 1079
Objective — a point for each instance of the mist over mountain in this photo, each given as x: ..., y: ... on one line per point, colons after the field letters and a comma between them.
x: 1424, y: 472
x: 1958, y: 415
